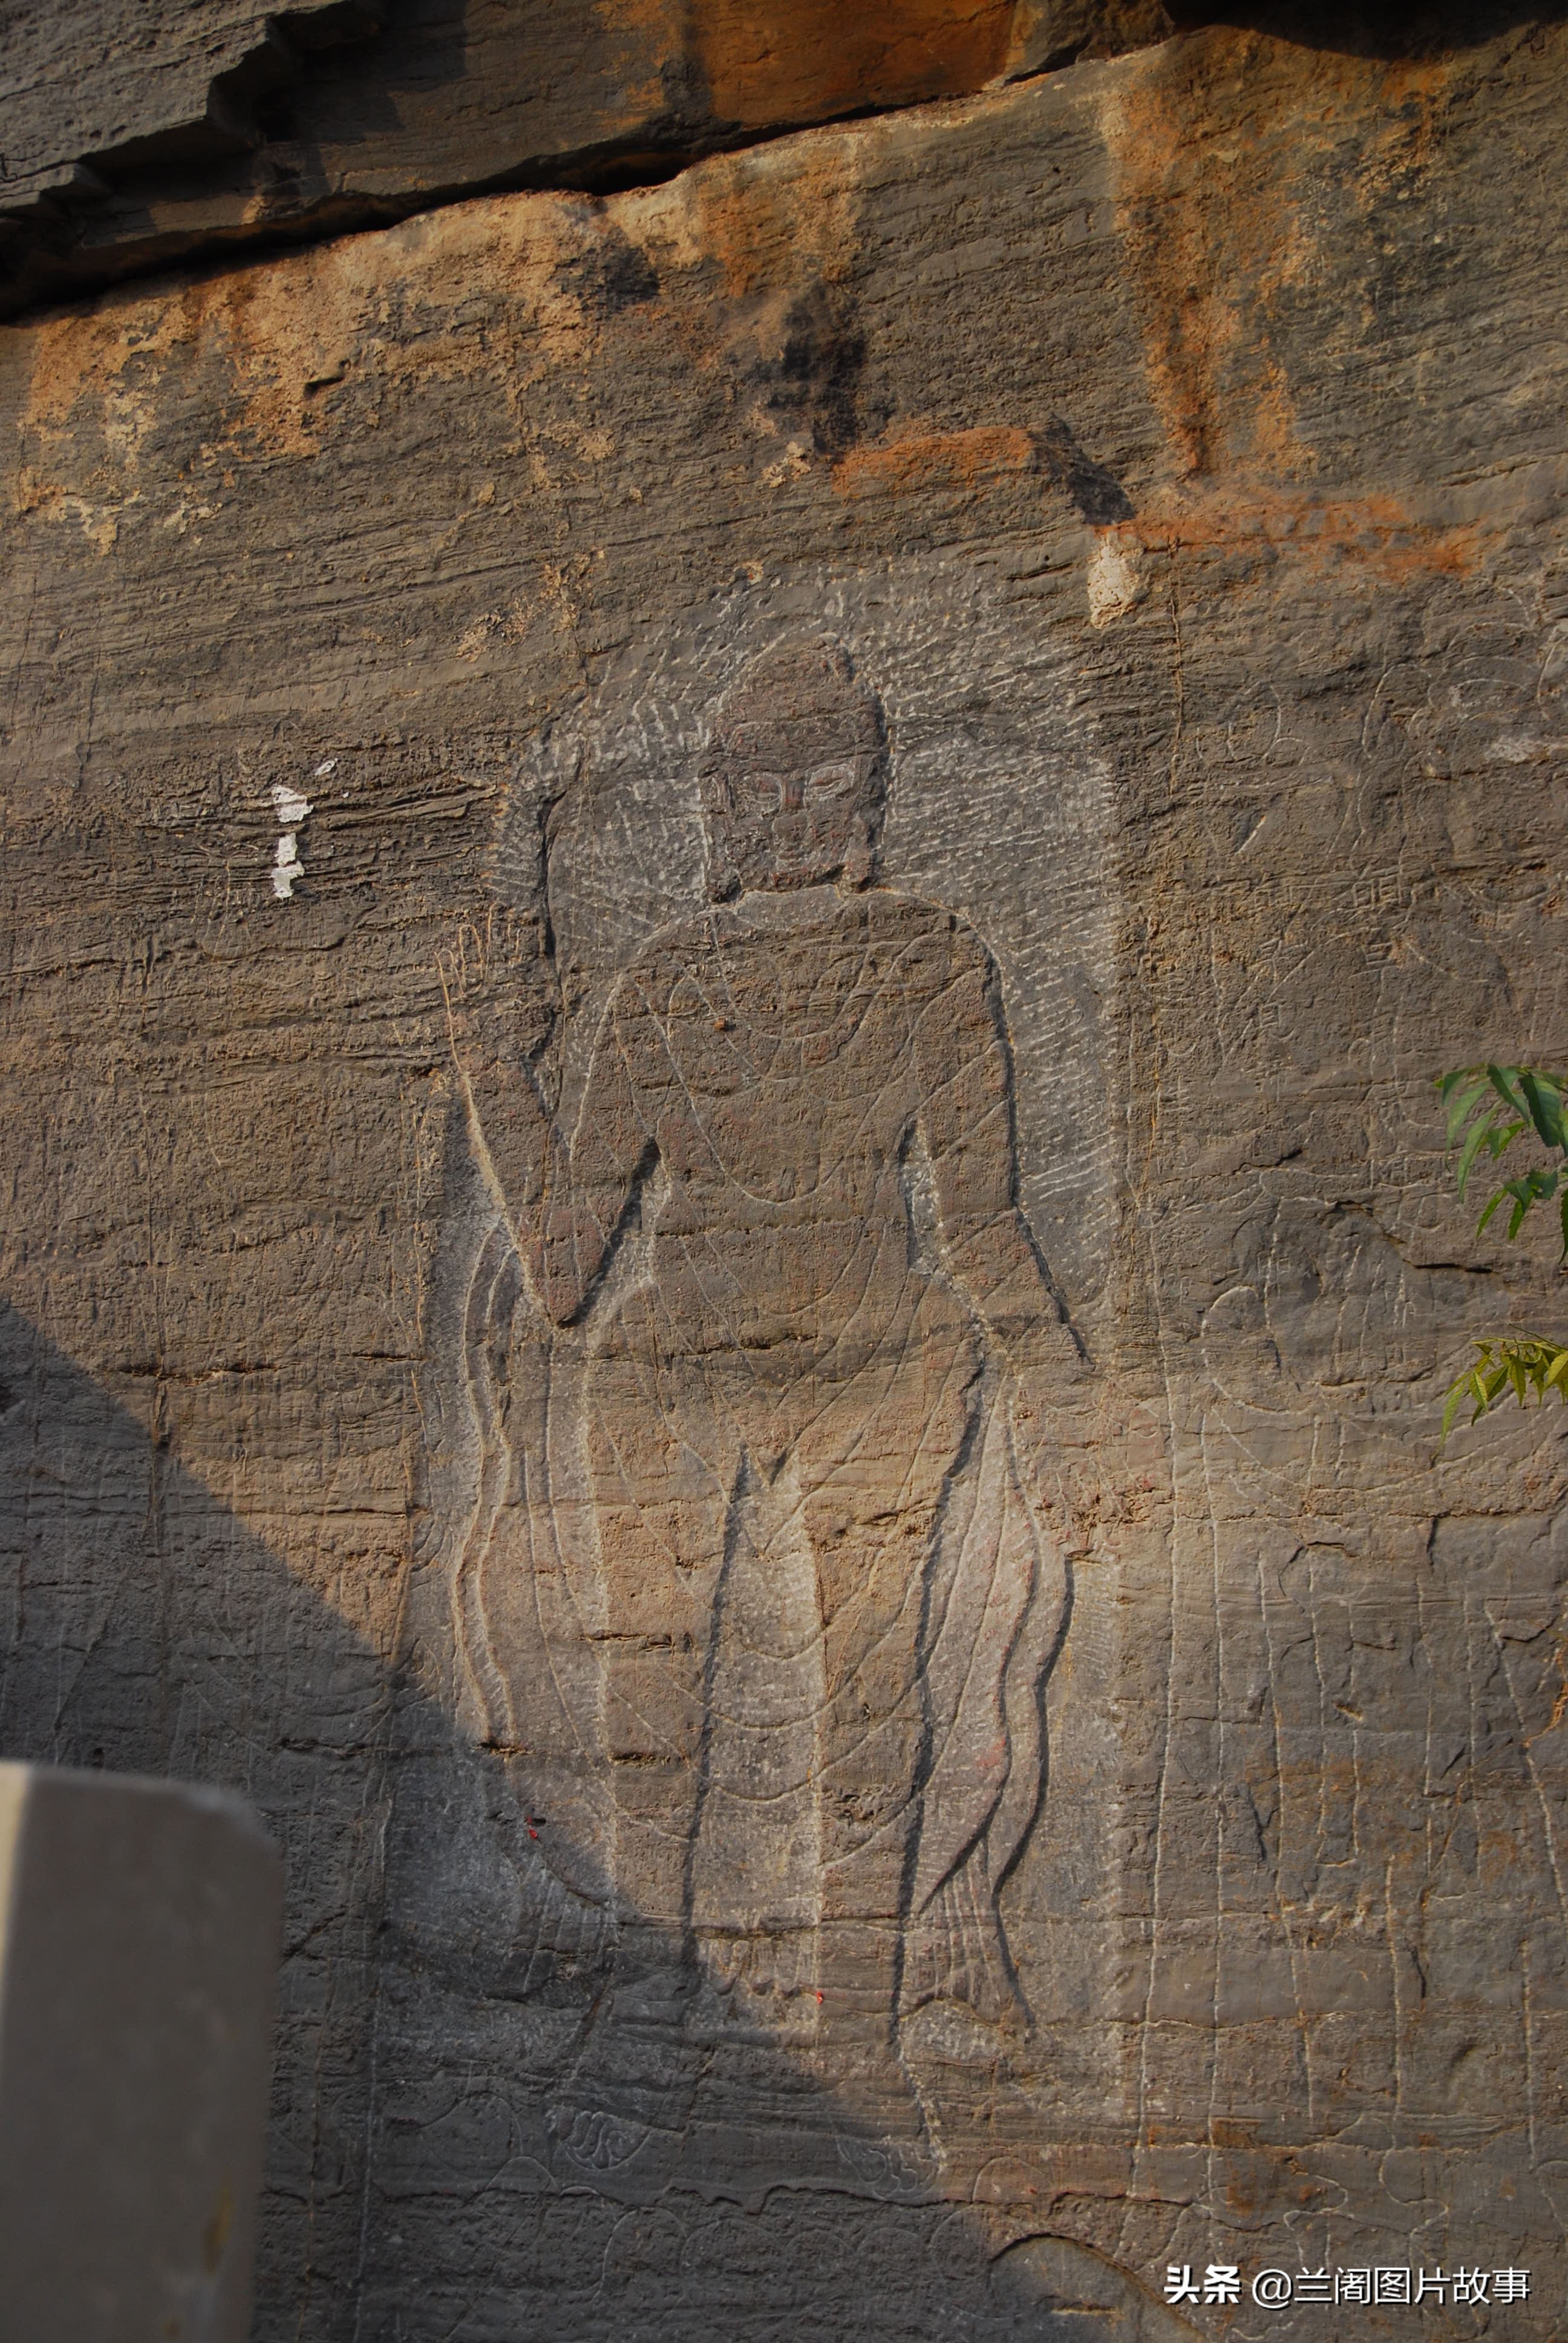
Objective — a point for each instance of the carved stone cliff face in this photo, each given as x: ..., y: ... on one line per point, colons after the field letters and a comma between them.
x: 796, y: 1459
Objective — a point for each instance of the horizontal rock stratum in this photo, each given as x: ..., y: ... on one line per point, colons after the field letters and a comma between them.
x: 139, y: 132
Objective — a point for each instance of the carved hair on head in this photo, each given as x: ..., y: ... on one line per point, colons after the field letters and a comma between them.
x: 791, y: 679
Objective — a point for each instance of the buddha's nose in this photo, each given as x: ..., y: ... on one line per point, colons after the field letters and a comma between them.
x: 790, y: 800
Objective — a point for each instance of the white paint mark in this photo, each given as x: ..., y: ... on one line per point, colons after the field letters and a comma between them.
x: 287, y: 867
x: 1115, y: 582
x: 292, y: 805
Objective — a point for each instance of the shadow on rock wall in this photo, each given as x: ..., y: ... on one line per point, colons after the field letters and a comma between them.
x: 427, y: 2028
x: 1376, y: 28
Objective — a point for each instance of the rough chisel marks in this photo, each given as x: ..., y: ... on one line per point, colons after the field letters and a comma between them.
x: 787, y: 1224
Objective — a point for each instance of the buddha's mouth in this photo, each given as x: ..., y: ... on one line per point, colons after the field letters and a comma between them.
x: 805, y: 846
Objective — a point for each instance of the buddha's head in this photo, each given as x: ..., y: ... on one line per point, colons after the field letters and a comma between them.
x: 794, y: 780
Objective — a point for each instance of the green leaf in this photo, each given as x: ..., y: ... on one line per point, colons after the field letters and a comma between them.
x: 1456, y: 1393
x: 1480, y: 1135
x: 1462, y: 1108
x: 1503, y: 1078
x: 1545, y: 1107
x: 1491, y: 1207
x: 1473, y: 1147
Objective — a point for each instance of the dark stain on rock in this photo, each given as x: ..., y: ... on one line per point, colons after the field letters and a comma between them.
x: 613, y: 276
x: 1096, y: 493
x: 817, y: 380
x: 1391, y: 29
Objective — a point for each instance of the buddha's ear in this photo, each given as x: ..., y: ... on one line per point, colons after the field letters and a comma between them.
x: 713, y: 783
x: 860, y: 856
x: 723, y: 878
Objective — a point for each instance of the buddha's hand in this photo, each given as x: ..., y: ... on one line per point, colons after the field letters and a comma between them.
x: 500, y: 990
x: 501, y: 1005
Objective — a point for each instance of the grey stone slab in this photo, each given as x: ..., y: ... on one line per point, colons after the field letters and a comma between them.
x: 138, y: 1958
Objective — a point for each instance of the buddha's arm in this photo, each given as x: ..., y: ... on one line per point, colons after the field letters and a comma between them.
x: 1071, y: 1453
x: 588, y: 1187
x: 566, y: 1203
x: 965, y: 1117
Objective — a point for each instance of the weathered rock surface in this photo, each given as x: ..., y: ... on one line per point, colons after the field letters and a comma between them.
x: 139, y: 135
x: 1173, y: 445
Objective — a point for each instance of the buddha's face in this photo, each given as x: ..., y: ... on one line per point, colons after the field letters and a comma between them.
x: 793, y: 793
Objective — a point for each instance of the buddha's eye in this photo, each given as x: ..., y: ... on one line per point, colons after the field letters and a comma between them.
x: 834, y: 781
x: 756, y: 791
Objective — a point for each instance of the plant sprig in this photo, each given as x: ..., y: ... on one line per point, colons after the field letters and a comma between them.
x: 1517, y: 1362
x: 1489, y: 1107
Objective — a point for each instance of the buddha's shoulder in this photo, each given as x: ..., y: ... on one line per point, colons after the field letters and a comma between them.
x: 933, y: 935
x: 665, y: 956
x: 896, y: 930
